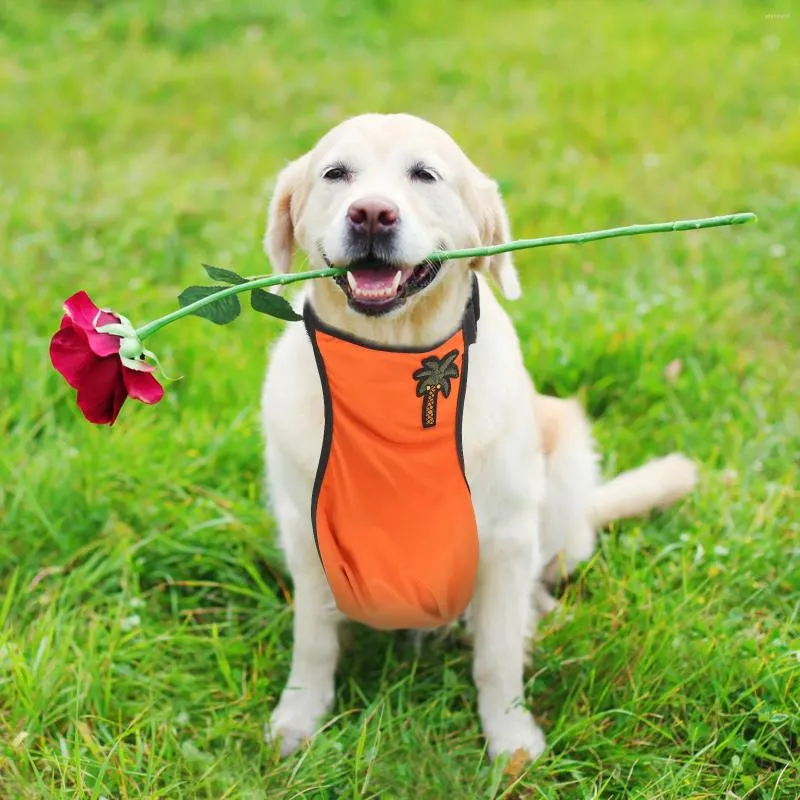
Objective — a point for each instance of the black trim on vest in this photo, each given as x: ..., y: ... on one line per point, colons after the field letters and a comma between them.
x: 462, y: 393
x: 472, y: 314
x: 327, y: 436
x: 470, y: 329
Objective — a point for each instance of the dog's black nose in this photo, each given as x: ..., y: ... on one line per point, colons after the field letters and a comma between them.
x: 372, y: 215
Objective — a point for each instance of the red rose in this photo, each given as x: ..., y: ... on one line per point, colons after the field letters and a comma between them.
x: 91, y: 362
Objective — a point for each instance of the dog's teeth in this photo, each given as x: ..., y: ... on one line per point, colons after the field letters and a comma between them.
x: 374, y: 294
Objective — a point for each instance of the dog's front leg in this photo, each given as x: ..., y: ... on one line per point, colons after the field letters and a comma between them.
x: 309, y: 691
x: 501, y: 620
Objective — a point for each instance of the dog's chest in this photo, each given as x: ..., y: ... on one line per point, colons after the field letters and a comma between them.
x: 294, y: 405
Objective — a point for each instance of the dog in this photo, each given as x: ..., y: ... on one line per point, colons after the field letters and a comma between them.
x: 378, y: 193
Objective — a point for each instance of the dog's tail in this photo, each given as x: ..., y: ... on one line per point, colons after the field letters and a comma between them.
x: 656, y: 484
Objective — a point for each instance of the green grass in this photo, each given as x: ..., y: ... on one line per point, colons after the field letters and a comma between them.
x: 145, y: 617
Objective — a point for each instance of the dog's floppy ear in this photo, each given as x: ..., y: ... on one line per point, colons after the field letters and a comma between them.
x: 493, y: 228
x: 281, y: 215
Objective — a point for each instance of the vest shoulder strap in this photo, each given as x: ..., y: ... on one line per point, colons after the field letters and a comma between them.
x: 472, y: 313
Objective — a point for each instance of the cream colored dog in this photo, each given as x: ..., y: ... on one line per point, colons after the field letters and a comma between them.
x: 387, y: 190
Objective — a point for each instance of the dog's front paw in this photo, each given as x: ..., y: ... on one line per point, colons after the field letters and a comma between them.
x: 515, y: 732
x: 296, y: 719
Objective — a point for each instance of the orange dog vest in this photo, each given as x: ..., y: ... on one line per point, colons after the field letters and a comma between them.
x: 391, y: 508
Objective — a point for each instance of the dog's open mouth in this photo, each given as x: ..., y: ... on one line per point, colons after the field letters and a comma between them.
x: 374, y: 286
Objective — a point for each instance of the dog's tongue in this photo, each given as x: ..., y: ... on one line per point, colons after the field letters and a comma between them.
x: 376, y: 284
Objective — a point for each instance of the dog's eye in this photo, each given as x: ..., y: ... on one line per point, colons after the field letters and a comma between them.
x: 423, y: 174
x: 336, y: 172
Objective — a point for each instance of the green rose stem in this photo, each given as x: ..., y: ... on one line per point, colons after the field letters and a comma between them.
x: 258, y: 283
x: 593, y: 236
x: 446, y: 255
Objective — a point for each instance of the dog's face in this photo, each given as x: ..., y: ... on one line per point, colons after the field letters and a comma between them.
x: 378, y: 194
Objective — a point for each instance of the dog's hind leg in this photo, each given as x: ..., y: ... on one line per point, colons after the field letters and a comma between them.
x: 572, y: 479
x: 578, y: 503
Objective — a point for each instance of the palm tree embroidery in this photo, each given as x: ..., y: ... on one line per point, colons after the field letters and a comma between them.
x: 432, y: 377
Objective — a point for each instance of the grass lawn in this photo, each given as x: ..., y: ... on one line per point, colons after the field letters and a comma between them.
x: 145, y: 616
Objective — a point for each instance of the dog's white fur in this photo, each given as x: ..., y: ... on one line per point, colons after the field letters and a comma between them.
x: 529, y: 459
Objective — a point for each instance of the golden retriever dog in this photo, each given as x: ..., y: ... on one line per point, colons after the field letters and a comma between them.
x: 378, y: 194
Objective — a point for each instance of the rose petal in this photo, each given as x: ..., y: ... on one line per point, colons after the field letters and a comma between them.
x: 70, y: 354
x: 102, y: 391
x: 142, y: 386
x: 106, y: 318
x: 83, y: 313
x: 81, y: 310
x: 103, y: 344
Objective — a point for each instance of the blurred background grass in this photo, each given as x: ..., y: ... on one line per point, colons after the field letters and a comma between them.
x: 144, y: 617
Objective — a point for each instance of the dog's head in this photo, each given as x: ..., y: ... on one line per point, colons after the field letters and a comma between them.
x: 378, y: 194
